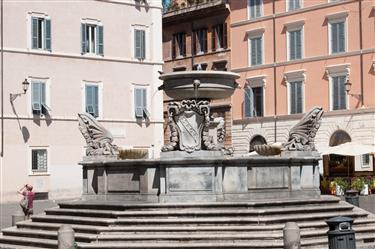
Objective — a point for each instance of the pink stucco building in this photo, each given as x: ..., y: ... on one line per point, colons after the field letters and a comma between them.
x: 293, y: 55
x: 100, y: 57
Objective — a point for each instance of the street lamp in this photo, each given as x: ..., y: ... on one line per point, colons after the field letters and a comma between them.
x: 348, y: 86
x: 25, y: 86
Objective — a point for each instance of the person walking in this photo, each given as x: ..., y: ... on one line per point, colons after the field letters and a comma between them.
x: 27, y: 192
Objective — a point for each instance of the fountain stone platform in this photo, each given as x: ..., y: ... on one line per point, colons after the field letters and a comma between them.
x: 201, y: 178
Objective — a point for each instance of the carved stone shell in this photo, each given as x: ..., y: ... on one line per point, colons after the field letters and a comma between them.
x: 267, y: 150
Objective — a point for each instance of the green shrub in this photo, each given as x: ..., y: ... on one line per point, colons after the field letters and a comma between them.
x: 342, y: 183
x: 358, y: 183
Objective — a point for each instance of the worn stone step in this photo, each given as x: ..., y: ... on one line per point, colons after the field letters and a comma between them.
x: 239, y: 220
x: 120, y: 206
x: 28, y: 242
x: 55, y: 226
x: 73, y: 220
x: 44, y: 234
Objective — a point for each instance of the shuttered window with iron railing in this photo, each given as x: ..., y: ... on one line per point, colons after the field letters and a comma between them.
x: 92, y: 39
x: 40, y: 33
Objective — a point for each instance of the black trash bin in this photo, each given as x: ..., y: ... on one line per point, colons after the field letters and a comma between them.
x: 352, y: 197
x: 340, y: 234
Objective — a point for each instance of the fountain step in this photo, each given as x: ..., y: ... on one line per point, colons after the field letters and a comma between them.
x: 73, y: 220
x: 120, y: 206
x: 204, y: 212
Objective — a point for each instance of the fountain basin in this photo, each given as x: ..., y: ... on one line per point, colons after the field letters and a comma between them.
x: 212, y: 84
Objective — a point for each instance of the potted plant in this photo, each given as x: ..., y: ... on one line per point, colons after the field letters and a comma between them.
x: 359, y: 184
x: 341, y: 185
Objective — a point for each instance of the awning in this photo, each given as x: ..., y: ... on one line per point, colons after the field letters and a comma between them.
x: 350, y: 149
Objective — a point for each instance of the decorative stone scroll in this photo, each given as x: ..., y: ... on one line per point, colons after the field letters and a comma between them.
x: 302, y: 135
x: 98, y: 139
x: 189, y: 125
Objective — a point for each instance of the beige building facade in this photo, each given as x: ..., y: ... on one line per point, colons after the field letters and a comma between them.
x: 293, y: 55
x: 100, y: 57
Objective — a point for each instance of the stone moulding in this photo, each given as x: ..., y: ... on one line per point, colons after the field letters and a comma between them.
x: 98, y: 139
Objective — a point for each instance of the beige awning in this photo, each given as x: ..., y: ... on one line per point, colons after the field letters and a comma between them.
x: 350, y: 149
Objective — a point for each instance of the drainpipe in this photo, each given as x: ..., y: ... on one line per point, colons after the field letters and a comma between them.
x: 274, y: 69
x: 2, y: 78
x: 361, y: 55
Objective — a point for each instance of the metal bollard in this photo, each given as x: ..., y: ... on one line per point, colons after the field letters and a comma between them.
x: 292, y: 237
x: 17, y: 216
x: 65, y: 237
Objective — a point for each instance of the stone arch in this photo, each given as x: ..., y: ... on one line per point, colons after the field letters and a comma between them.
x: 256, y: 140
x: 339, y: 137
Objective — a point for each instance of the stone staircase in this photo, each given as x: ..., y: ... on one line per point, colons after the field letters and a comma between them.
x: 206, y: 225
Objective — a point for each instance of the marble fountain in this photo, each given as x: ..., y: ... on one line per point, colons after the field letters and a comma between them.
x: 191, y: 167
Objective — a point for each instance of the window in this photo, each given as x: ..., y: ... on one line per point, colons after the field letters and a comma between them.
x: 39, y: 160
x: 219, y: 36
x: 337, y: 37
x: 256, y: 56
x: 38, y: 98
x: 295, y: 44
x: 200, y: 67
x: 296, y: 97
x: 366, y: 160
x: 254, y: 101
x: 179, y: 45
x: 338, y: 92
x: 92, y: 39
x: 219, y: 65
x: 140, y: 103
x: 139, y: 44
x: 293, y: 4
x: 92, y: 100
x: 200, y: 41
x: 255, y: 8
x: 40, y: 33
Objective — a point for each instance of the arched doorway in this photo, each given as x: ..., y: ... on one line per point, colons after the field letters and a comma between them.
x: 338, y: 165
x: 256, y: 140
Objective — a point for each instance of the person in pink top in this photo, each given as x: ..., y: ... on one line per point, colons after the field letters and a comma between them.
x: 27, y: 192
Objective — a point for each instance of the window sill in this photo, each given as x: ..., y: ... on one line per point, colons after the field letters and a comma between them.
x: 40, y: 50
x: 39, y: 174
x: 92, y: 55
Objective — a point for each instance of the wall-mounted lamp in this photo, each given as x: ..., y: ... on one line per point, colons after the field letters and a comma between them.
x: 348, y: 86
x: 25, y: 86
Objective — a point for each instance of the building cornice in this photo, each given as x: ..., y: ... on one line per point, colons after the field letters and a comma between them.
x: 289, y: 13
x: 304, y: 60
x: 81, y: 57
x: 328, y: 114
x: 134, y: 3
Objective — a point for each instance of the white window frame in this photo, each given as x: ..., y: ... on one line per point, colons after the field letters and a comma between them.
x: 255, y: 33
x: 99, y: 84
x: 337, y: 18
x: 363, y: 165
x: 334, y: 71
x: 291, y: 77
x: 96, y: 23
x: 47, y: 82
x: 257, y: 81
x: 44, y: 16
x: 148, y: 99
x: 294, y: 26
x: 147, y: 41
x: 287, y: 5
x: 30, y: 160
x: 249, y: 10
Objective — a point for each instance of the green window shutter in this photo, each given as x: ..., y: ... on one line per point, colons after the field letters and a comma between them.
x: 299, y: 101
x: 139, y: 43
x: 334, y: 37
x: 34, y: 32
x: 253, y: 51
x: 99, y: 40
x: 143, y: 44
x: 84, y: 45
x: 342, y: 92
x: 341, y: 37
x: 92, y: 100
x: 47, y: 38
x: 36, y: 97
x: 335, y: 93
x: 138, y: 102
x: 259, y: 50
x: 298, y: 44
x: 292, y: 45
x: 248, y: 102
x: 258, y: 8
x: 292, y: 98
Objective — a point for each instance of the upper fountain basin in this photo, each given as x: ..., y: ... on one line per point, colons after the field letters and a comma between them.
x: 209, y: 84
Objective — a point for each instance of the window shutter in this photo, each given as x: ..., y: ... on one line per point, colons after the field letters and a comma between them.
x: 143, y: 44
x: 213, y: 37
x: 257, y: 8
x: 292, y: 98
x: 195, y: 34
x: 252, y: 8
x: 291, y: 5
x: 83, y: 39
x: 138, y: 103
x: 34, y: 32
x: 341, y: 37
x: 47, y: 27
x: 137, y: 44
x: 334, y: 38
x: 89, y: 97
x: 183, y: 44
x: 173, y: 46
x: 36, y: 97
x: 299, y: 101
x: 292, y: 45
x: 225, y: 36
x: 253, y: 51
x: 247, y: 102
x: 205, y: 40
x: 144, y: 98
x: 342, y: 92
x: 99, y: 40
x: 297, y: 4
x: 335, y: 94
x: 92, y: 100
x: 298, y: 44
x: 259, y: 50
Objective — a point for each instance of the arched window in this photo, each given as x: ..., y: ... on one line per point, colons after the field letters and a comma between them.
x: 257, y: 140
x: 339, y: 137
